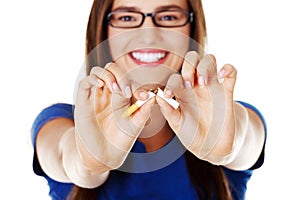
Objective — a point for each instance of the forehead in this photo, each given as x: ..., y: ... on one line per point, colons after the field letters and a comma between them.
x: 149, y: 5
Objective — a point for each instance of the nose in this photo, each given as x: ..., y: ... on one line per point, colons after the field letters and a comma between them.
x: 149, y: 32
x: 148, y: 22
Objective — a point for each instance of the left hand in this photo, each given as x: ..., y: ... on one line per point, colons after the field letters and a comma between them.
x: 205, y: 121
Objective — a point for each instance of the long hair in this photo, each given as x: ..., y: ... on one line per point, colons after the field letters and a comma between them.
x: 208, y: 180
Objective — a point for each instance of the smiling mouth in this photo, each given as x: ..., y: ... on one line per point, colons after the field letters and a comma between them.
x: 149, y: 57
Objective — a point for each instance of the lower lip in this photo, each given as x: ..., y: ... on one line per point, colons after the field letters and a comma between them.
x: 149, y: 64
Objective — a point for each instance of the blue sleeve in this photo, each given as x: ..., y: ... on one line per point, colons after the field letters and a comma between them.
x: 52, y: 112
x: 260, y: 160
x: 238, y: 179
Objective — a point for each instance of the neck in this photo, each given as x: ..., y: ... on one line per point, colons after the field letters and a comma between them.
x: 158, y: 140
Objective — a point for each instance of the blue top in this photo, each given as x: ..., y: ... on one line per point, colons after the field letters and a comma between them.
x: 169, y: 182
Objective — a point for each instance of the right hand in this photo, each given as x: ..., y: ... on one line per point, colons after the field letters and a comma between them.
x: 103, y: 136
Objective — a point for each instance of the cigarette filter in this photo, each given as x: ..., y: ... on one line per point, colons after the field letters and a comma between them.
x: 134, y: 107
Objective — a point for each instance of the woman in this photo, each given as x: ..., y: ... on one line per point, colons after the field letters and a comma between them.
x: 82, y: 154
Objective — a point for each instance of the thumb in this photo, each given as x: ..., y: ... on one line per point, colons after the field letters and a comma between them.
x: 134, y: 123
x: 172, y: 115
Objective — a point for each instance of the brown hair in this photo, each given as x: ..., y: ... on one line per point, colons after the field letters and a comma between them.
x: 209, y: 180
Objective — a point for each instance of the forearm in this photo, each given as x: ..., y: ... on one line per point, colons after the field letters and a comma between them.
x: 248, y: 146
x: 82, y: 169
x: 239, y: 148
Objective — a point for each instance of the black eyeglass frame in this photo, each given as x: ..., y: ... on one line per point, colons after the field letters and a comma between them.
x: 190, y: 18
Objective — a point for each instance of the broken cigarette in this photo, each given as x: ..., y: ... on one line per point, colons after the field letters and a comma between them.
x: 137, y: 105
x: 134, y: 107
x: 171, y: 101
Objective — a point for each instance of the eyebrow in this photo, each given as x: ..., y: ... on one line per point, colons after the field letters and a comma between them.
x: 169, y: 7
x: 133, y: 8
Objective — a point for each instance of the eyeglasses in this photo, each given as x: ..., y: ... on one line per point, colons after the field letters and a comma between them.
x: 135, y: 19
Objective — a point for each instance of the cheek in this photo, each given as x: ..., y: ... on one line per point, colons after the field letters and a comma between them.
x: 179, y: 39
x: 176, y: 63
x: 111, y: 32
x: 179, y: 45
x: 185, y: 39
x: 117, y: 43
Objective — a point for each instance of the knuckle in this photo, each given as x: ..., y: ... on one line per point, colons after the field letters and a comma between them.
x: 212, y: 58
x: 174, y: 77
x: 109, y: 65
x: 83, y: 82
x: 231, y: 68
x: 192, y: 57
x: 102, y: 73
x: 191, y: 54
x: 96, y: 70
x: 207, y: 64
x: 175, y: 81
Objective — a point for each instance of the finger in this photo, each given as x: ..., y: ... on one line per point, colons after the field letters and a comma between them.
x: 171, y: 114
x: 105, y: 76
x: 228, y: 74
x: 141, y: 93
x: 85, y: 88
x: 142, y: 115
x: 133, y: 123
x: 207, y: 70
x: 175, y: 85
x: 188, y: 71
x: 123, y: 82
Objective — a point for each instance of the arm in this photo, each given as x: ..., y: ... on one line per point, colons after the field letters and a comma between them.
x: 250, y: 148
x: 248, y: 140
x: 60, y: 159
x: 209, y: 123
x: 84, y: 150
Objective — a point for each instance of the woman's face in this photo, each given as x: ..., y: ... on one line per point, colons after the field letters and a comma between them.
x: 149, y: 46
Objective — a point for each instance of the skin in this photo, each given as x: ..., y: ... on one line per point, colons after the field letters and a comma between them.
x: 153, y: 39
x: 151, y: 36
x: 99, y: 140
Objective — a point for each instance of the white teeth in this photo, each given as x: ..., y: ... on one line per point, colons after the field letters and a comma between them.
x: 148, y: 57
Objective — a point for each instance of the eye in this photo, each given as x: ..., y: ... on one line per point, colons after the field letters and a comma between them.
x: 168, y: 18
x: 127, y: 18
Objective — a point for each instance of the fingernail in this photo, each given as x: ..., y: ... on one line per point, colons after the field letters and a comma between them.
x: 221, y: 74
x: 188, y: 84
x: 115, y: 87
x: 201, y: 81
x: 143, y: 95
x: 168, y: 93
x: 127, y: 92
x: 99, y: 83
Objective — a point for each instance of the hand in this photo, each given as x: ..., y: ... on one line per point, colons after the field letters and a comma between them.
x: 100, y: 129
x: 205, y: 121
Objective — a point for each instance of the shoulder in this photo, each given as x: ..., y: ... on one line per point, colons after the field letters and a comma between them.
x: 57, y: 110
x: 51, y: 112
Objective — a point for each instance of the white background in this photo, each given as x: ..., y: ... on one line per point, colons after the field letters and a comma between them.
x: 42, y: 51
